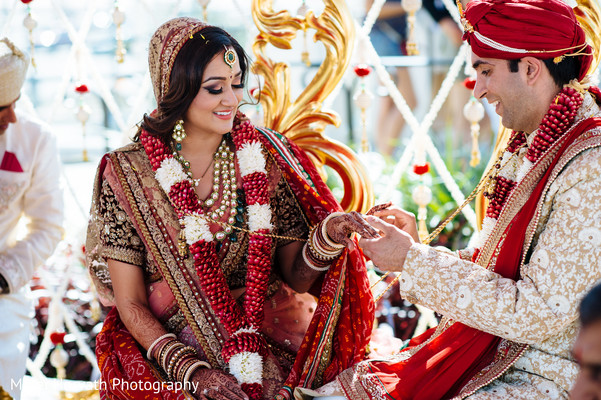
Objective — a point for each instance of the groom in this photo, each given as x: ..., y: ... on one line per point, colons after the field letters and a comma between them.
x: 511, y: 303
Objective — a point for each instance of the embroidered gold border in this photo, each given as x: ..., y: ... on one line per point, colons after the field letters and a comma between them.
x: 354, y: 387
x: 587, y: 140
x: 182, y: 292
x: 326, y: 354
x: 507, y: 354
x: 123, y: 254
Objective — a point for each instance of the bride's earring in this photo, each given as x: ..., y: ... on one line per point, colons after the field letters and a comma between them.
x: 179, y: 134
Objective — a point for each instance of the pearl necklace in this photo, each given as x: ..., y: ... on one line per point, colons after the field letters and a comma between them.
x: 224, y: 176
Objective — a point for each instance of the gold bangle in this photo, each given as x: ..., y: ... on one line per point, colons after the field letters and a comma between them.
x: 309, y: 263
x: 157, y: 340
x: 324, y: 231
x: 319, y: 251
x: 165, y: 351
x: 178, y: 357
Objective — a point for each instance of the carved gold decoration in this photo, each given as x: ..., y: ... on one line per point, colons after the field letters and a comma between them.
x: 4, y: 395
x: 303, y: 119
x: 588, y: 14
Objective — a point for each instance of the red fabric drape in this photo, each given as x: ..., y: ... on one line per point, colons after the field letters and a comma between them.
x: 125, y: 372
x: 352, y: 327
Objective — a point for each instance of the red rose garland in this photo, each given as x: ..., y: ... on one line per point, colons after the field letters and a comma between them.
x: 558, y: 119
x: 245, y: 348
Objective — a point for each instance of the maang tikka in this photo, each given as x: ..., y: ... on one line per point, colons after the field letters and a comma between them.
x: 179, y: 134
x: 229, y: 57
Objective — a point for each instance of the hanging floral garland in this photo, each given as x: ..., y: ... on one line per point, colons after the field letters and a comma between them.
x: 363, y: 99
x: 246, y: 347
x: 473, y: 111
x: 118, y: 19
x: 83, y: 115
x: 30, y: 23
x: 59, y: 358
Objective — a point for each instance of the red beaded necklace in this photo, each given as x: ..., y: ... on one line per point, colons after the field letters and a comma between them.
x: 241, y: 324
x: 558, y: 119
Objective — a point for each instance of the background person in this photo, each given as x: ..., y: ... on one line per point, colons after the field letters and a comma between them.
x: 29, y: 188
x: 389, y: 38
x: 587, y: 348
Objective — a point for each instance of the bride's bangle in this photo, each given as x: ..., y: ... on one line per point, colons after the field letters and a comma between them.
x: 156, y: 342
x: 313, y: 262
x: 324, y: 230
x: 192, y: 368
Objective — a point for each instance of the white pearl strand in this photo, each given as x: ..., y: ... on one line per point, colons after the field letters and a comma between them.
x: 224, y: 172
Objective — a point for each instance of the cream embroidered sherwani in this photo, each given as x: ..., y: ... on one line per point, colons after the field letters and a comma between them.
x: 564, y: 252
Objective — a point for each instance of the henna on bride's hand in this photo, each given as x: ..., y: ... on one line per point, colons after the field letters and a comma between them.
x: 378, y: 207
x: 340, y: 228
x: 214, y: 384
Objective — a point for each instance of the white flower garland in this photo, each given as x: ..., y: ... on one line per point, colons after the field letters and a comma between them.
x: 196, y: 228
x: 169, y: 173
x: 251, y: 159
x: 249, y: 329
x: 524, y: 168
x: 488, y: 224
x: 511, y: 166
x: 247, y: 367
x: 259, y: 217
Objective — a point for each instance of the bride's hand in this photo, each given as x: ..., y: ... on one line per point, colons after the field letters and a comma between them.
x: 214, y: 384
x: 398, y: 217
x: 340, y: 228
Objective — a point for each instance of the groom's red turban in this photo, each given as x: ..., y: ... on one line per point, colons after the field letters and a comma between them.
x: 512, y: 29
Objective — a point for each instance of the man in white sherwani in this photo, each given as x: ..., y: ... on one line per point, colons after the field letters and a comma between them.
x: 29, y: 188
